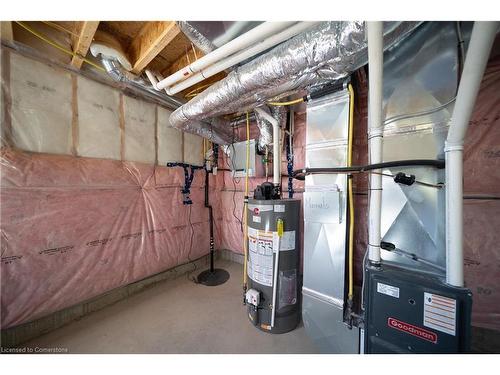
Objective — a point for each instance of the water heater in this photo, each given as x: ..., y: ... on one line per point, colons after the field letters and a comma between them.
x: 273, y: 264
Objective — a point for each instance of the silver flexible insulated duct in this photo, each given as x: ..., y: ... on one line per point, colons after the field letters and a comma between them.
x: 266, y: 131
x: 139, y: 86
x: 328, y: 52
x: 197, y: 38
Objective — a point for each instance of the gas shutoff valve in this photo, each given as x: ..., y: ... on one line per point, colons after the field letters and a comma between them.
x: 252, y: 297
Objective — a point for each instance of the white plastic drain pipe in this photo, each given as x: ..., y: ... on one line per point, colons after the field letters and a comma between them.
x: 482, y: 38
x: 243, y: 41
x: 375, y: 134
x: 276, y: 145
x: 241, y: 56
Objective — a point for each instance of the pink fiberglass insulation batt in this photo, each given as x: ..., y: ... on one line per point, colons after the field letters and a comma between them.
x: 74, y: 228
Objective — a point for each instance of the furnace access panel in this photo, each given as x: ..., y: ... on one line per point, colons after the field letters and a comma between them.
x: 410, y: 312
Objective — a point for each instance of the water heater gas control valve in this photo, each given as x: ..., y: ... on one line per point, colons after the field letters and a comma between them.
x: 253, y: 297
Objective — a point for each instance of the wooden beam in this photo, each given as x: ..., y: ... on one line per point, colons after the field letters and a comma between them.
x: 81, y: 43
x: 151, y: 40
x: 6, y: 30
x: 187, y: 58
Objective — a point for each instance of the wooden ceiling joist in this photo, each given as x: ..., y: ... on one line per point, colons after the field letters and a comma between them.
x: 151, y: 40
x: 81, y: 43
x: 6, y: 30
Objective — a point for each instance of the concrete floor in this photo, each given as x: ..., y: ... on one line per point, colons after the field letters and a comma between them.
x: 176, y: 316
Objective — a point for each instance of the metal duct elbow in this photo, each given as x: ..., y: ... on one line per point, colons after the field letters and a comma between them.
x: 113, y: 69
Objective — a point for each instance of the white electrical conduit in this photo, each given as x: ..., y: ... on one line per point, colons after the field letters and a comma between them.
x: 243, y: 41
x: 276, y: 145
x: 482, y: 38
x: 375, y: 134
x: 241, y: 56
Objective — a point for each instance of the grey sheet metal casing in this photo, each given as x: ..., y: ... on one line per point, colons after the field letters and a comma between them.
x: 325, y: 210
x: 262, y: 215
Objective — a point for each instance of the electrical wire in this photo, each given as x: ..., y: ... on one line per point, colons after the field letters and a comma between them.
x: 419, y: 114
x: 291, y: 102
x: 193, y: 279
x: 58, y: 46
x: 428, y: 184
x: 196, y: 91
x: 60, y: 28
x: 460, y: 58
x: 232, y: 168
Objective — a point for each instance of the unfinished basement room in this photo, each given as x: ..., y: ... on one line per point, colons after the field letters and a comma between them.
x: 250, y: 187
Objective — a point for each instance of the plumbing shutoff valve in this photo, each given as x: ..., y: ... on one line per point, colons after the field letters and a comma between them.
x: 252, y: 297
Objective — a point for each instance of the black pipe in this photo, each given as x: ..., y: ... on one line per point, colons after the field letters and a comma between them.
x: 211, y: 219
x: 299, y: 174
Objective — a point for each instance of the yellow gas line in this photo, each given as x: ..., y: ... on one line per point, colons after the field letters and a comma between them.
x: 349, y: 188
x: 245, y: 205
x: 300, y: 100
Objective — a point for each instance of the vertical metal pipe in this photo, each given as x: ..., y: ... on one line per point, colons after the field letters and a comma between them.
x: 375, y: 134
x: 211, y: 221
x: 482, y: 38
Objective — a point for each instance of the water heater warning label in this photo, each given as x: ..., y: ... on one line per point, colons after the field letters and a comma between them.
x: 260, y: 256
x: 440, y: 313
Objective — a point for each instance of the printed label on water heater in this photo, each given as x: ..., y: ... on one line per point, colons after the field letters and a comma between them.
x: 279, y: 208
x: 388, y: 290
x: 260, y: 256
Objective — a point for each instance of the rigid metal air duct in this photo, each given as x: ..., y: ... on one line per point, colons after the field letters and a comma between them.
x: 325, y: 53
x: 116, y: 71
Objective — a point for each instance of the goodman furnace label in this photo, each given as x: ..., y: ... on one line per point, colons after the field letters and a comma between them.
x: 389, y: 290
x: 440, y: 313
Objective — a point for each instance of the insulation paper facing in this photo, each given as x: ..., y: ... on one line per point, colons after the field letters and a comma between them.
x: 41, y: 107
x: 98, y: 120
x: 169, y: 139
x: 139, y: 131
x: 193, y: 149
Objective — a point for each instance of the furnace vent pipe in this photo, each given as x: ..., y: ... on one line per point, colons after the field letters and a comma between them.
x: 375, y: 134
x: 276, y: 145
x: 482, y: 38
x: 243, y: 41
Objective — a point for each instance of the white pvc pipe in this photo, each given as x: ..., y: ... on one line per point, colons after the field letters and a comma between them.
x: 276, y: 145
x: 241, y: 56
x: 375, y: 134
x: 482, y: 38
x: 152, y: 79
x: 243, y: 41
